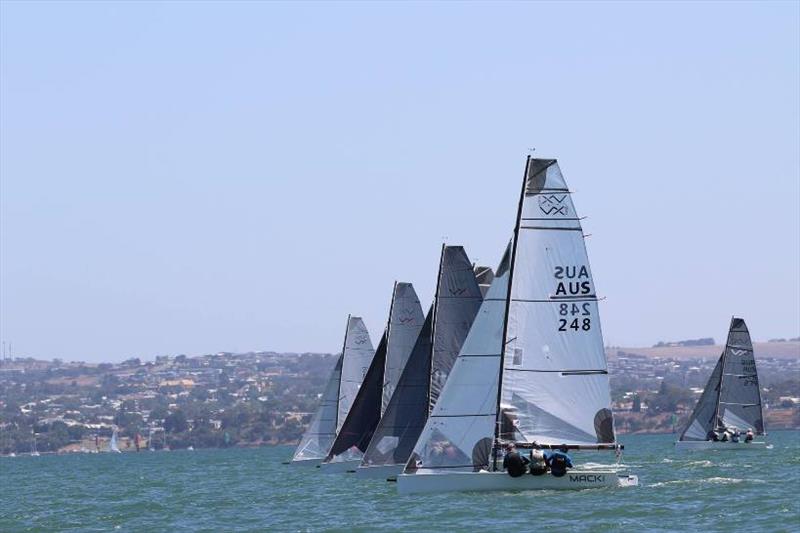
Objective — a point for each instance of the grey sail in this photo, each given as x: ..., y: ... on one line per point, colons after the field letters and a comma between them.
x: 358, y: 353
x: 459, y: 432
x: 403, y: 327
x: 339, y: 392
x: 739, y: 395
x: 702, y: 419
x: 458, y: 298
x: 484, y: 275
x: 405, y: 323
x: 318, y: 438
x: 405, y: 416
x: 731, y: 397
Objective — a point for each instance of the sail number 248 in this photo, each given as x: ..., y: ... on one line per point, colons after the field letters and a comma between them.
x: 575, y: 317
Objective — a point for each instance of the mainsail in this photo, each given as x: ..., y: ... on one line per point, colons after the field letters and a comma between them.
x: 537, y: 335
x: 339, y: 392
x: 555, y: 385
x: 732, y: 396
x: 458, y: 297
x: 404, y: 325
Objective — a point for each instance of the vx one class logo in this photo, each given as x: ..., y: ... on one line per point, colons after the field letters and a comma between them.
x: 553, y: 204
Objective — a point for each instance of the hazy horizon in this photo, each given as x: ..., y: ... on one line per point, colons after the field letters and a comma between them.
x: 204, y: 177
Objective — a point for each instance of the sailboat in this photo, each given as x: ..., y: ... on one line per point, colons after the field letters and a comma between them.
x: 338, y: 395
x: 731, y: 399
x: 112, y: 444
x: 34, y: 451
x: 402, y: 329
x: 456, y: 302
x: 532, y: 369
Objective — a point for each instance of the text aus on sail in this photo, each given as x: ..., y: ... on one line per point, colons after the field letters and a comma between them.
x: 573, y: 282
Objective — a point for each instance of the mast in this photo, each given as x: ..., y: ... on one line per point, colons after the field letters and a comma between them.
x: 722, y: 376
x: 498, y: 419
x: 433, y: 327
x: 344, y: 348
x: 388, y: 335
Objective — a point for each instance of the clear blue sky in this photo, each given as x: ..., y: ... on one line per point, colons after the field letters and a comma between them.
x: 190, y: 178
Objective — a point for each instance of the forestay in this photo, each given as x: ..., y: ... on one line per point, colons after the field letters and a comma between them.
x: 555, y: 385
x: 459, y: 432
x: 355, y: 358
x: 458, y: 297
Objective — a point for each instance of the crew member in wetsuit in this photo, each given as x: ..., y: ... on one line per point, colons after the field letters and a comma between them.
x: 559, y: 461
x: 748, y: 437
x: 712, y: 436
x: 514, y: 463
x: 735, y: 435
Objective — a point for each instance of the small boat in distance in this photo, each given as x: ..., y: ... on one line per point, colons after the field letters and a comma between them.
x: 338, y: 396
x: 34, y: 451
x: 728, y: 415
x: 112, y: 444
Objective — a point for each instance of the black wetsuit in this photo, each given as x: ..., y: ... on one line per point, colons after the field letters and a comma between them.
x: 515, y: 464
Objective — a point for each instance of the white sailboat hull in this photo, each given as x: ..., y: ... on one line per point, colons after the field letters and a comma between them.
x: 705, y: 445
x: 338, y: 467
x: 379, y: 472
x: 501, y: 481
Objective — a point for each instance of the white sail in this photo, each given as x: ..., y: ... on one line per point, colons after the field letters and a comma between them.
x: 317, y: 439
x: 112, y: 445
x: 358, y: 352
x: 555, y: 379
x: 459, y: 432
x: 405, y: 323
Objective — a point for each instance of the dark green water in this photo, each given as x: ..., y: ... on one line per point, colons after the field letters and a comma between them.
x: 250, y: 490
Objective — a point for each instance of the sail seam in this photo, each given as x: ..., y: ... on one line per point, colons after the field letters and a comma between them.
x: 590, y: 298
x: 563, y: 372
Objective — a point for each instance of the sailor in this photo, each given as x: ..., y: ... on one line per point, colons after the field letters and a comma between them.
x: 559, y: 461
x: 538, y: 464
x: 724, y: 437
x: 735, y: 434
x: 712, y: 435
x: 748, y: 437
x: 514, y: 463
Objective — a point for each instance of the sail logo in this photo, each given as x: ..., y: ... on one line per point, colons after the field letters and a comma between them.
x: 407, y: 316
x: 553, y: 204
x: 360, y: 340
x: 587, y: 478
x: 739, y: 353
x: 457, y: 291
